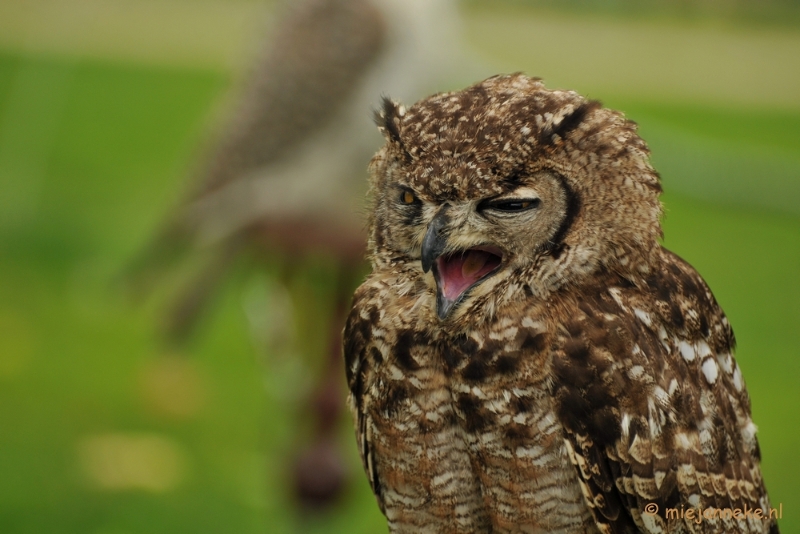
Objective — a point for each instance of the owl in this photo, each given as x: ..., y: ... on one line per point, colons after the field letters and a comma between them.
x: 525, y: 356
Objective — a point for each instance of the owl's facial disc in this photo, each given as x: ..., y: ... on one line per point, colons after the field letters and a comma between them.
x: 459, y: 272
x: 465, y: 243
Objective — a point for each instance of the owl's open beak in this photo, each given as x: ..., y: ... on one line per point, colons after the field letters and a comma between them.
x: 456, y: 273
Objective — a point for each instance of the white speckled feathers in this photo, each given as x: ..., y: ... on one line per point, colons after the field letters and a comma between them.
x: 583, y: 376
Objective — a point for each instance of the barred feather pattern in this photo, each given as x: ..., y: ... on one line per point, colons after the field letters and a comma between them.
x: 586, y: 384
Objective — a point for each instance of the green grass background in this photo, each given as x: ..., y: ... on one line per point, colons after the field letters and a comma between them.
x: 93, y: 153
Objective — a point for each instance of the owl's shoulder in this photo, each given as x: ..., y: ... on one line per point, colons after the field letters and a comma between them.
x: 651, y: 397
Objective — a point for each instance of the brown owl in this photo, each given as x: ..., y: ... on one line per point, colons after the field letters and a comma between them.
x: 525, y: 356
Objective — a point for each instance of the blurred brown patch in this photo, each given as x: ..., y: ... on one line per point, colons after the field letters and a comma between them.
x: 320, y: 475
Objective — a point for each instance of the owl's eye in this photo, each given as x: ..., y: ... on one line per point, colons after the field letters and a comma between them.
x: 407, y: 197
x: 514, y: 205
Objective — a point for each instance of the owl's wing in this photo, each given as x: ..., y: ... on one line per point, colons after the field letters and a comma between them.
x: 318, y: 58
x: 311, y: 68
x: 655, y: 412
x: 357, y: 336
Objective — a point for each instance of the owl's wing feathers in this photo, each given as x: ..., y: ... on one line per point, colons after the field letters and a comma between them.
x: 316, y: 61
x: 656, y: 417
x: 312, y: 67
x: 357, y: 336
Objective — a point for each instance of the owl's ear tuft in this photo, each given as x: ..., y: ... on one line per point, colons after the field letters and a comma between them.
x: 387, y: 117
x: 570, y: 122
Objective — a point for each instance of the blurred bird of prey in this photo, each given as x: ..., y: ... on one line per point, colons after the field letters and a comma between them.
x: 287, y: 174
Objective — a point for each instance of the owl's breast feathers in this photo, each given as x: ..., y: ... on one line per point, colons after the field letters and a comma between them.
x: 581, y: 413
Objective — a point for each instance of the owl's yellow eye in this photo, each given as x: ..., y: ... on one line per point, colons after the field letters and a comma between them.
x: 407, y: 197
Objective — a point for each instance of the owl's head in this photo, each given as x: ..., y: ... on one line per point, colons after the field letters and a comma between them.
x: 506, y: 191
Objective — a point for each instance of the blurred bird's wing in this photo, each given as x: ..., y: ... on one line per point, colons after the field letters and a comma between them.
x: 319, y: 54
x: 317, y: 59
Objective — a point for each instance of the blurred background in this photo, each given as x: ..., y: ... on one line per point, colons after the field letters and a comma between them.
x: 140, y: 395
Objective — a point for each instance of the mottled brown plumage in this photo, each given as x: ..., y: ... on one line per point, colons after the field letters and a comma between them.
x: 525, y: 356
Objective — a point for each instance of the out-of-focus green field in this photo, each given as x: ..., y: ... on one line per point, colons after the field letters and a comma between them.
x: 93, y: 153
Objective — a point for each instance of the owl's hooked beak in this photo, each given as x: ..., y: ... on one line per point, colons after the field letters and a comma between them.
x: 456, y: 273
x: 435, y: 240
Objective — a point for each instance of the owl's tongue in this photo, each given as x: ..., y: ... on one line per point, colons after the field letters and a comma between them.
x: 460, y: 271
